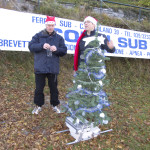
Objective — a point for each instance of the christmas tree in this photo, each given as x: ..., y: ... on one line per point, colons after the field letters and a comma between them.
x: 87, y: 99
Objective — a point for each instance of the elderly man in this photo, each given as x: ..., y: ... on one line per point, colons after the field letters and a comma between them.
x: 47, y: 47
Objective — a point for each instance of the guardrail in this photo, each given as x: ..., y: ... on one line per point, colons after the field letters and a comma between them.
x: 140, y: 8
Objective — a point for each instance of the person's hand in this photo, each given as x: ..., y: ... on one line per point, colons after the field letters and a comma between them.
x: 110, y: 44
x: 53, y: 48
x: 46, y: 46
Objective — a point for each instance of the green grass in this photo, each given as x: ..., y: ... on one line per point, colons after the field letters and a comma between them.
x: 129, y: 112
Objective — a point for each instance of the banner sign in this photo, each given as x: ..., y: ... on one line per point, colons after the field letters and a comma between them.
x: 18, y: 28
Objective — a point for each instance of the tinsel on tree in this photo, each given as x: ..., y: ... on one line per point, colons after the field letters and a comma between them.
x: 87, y: 99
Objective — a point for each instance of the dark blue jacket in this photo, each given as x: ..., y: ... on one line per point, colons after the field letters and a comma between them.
x: 43, y: 63
x: 82, y: 46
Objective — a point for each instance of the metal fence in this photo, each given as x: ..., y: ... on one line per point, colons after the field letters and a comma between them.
x: 128, y: 5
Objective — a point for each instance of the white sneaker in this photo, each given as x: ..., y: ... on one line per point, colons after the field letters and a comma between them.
x: 56, y: 109
x: 36, y: 110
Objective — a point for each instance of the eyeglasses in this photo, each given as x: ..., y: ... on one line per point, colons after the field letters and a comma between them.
x: 87, y: 22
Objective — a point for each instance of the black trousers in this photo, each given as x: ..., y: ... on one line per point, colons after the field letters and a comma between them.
x: 40, y: 80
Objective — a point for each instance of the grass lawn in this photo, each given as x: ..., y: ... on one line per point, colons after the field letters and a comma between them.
x: 129, y: 112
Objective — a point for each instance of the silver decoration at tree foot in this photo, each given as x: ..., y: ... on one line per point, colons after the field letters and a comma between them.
x: 81, y: 131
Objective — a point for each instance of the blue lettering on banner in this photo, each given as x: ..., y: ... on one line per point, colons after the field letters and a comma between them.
x: 119, y: 51
x: 133, y: 46
x: 10, y: 43
x: 116, y: 31
x: 1, y: 42
x: 38, y: 20
x: 81, y: 26
x: 70, y: 47
x: 66, y: 34
x: 143, y: 36
x: 6, y: 43
x: 148, y: 53
x: 124, y: 42
x: 19, y: 43
x: 136, y: 53
x: 105, y: 29
x: 13, y: 43
x: 142, y: 44
x: 24, y: 42
x: 65, y: 23
x: 127, y: 33
x: 67, y: 38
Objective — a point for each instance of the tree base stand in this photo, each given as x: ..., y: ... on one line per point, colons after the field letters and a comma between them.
x: 81, y: 131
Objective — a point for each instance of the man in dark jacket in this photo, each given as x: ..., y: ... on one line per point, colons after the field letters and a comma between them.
x: 86, y: 37
x: 47, y: 47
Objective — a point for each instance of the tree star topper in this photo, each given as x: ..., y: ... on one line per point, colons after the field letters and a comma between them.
x: 92, y: 38
x: 88, y: 40
x: 101, y: 40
